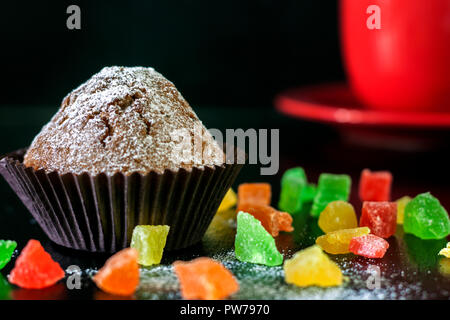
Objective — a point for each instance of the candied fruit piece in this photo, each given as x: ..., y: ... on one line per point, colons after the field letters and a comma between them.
x: 445, y: 251
x: 7, y: 248
x: 426, y: 218
x: 256, y: 193
x: 293, y: 184
x: 375, y: 186
x: 369, y: 246
x: 380, y: 217
x: 285, y: 221
x: 308, y: 193
x: 337, y: 242
x: 337, y: 215
x: 229, y: 201
x: 253, y: 243
x: 444, y: 267
x: 120, y: 274
x: 35, y: 268
x: 149, y: 241
x: 312, y: 267
x: 271, y: 219
x: 205, y: 279
x: 331, y: 187
x: 401, y: 204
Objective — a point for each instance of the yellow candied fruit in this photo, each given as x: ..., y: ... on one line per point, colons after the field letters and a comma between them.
x: 337, y: 242
x: 338, y: 215
x: 446, y: 251
x: 401, y: 204
x: 312, y: 267
x: 228, y: 201
x: 444, y: 267
x: 149, y: 241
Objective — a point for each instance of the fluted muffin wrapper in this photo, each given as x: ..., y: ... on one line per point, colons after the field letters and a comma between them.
x: 98, y: 213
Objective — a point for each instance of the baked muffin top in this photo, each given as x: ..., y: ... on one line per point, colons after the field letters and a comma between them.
x: 123, y: 120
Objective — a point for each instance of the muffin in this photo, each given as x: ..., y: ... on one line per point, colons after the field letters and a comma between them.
x: 121, y: 120
x: 124, y: 149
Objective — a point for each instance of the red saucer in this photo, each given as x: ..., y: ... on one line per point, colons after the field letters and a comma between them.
x: 334, y: 103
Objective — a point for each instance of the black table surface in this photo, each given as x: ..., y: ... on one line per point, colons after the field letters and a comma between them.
x: 411, y: 269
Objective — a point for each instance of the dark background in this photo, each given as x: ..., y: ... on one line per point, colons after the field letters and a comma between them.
x: 225, y: 53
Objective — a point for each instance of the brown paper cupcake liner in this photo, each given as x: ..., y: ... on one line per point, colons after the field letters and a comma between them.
x: 98, y: 213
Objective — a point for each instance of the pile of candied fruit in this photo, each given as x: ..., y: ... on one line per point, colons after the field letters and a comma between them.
x: 258, y: 224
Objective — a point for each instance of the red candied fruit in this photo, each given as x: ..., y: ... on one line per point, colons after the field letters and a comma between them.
x: 369, y: 246
x: 271, y: 219
x: 375, y: 186
x: 35, y: 268
x: 380, y: 217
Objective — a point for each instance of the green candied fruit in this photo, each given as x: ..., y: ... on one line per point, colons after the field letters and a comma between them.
x: 7, y: 248
x: 149, y: 241
x: 293, y: 184
x: 309, y: 193
x: 253, y: 243
x: 426, y: 218
x: 331, y: 187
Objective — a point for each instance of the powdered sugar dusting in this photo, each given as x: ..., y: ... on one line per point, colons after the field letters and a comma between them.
x: 120, y: 120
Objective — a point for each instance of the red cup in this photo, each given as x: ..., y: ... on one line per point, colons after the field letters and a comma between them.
x: 404, y: 65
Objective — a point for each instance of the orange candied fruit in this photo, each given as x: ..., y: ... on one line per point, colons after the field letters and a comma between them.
x: 255, y: 193
x: 271, y: 219
x: 205, y: 279
x: 120, y: 274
